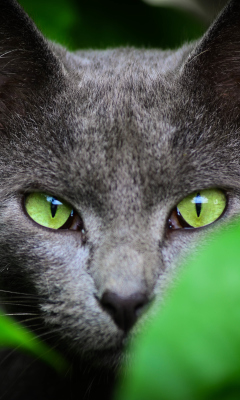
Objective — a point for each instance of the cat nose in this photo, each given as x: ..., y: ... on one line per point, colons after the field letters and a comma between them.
x: 124, y: 310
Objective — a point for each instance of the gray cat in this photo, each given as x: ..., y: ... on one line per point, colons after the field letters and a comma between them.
x: 114, y: 165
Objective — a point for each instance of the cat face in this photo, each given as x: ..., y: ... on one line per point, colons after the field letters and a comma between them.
x: 119, y: 138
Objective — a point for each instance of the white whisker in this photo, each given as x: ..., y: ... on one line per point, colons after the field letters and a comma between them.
x: 18, y: 314
x: 24, y: 294
x: 17, y: 304
x: 25, y: 320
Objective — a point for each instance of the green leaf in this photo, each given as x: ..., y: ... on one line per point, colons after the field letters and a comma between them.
x: 13, y: 335
x: 191, y: 350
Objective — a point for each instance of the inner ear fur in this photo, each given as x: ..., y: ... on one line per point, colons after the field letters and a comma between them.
x: 215, y: 63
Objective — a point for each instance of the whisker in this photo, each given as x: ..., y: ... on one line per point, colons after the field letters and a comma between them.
x: 25, y: 320
x: 27, y: 367
x: 13, y: 314
x: 24, y: 294
x: 88, y: 391
x: 3, y: 268
x: 28, y: 341
x: 48, y: 333
x: 17, y: 304
x: 7, y: 52
x: 198, y: 55
x: 30, y: 327
x: 18, y: 325
x: 8, y: 355
x: 18, y: 298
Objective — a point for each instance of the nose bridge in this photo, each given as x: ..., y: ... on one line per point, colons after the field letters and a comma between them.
x: 124, y: 262
x: 125, y: 268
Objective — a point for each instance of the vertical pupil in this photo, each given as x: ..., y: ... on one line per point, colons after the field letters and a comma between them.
x: 198, y: 204
x: 53, y: 208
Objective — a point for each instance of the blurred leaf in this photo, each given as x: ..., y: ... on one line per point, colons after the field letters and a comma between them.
x: 192, y: 348
x: 13, y: 335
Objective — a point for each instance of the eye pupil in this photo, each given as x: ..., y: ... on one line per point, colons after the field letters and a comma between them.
x: 198, y: 204
x: 53, y: 209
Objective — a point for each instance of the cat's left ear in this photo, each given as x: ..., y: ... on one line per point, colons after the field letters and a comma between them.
x: 214, y: 66
x: 27, y: 64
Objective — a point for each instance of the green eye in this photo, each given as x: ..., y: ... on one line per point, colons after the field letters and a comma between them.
x: 47, y: 210
x: 202, y: 208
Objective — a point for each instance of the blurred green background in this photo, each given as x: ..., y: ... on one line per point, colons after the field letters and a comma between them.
x: 81, y: 24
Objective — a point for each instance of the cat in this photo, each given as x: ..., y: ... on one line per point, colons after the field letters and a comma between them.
x: 117, y: 140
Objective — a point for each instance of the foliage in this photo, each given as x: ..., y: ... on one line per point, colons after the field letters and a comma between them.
x: 191, y: 350
x: 15, y: 336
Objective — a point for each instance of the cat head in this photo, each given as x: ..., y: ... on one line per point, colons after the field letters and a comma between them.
x: 117, y: 139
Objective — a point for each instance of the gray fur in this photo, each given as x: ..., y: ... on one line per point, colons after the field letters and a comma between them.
x: 122, y: 135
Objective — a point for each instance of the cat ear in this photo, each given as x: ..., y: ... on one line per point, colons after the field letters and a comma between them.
x: 26, y: 61
x: 215, y: 63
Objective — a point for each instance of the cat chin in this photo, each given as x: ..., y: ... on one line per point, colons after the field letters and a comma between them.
x: 110, y: 361
x: 109, y: 358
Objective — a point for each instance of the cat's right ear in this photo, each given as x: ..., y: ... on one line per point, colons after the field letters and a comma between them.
x: 26, y: 61
x: 214, y: 65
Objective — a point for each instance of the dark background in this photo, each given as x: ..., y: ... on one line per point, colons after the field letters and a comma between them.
x: 79, y: 24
